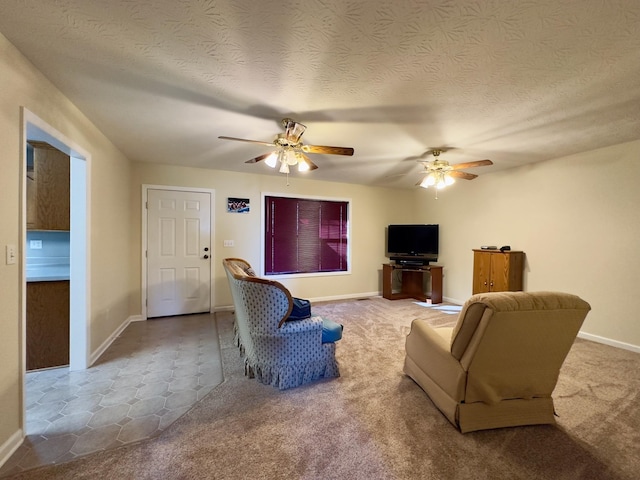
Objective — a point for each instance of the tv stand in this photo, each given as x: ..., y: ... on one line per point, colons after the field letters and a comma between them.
x: 412, y: 281
x: 412, y: 263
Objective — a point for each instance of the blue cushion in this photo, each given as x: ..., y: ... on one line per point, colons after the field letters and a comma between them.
x: 301, y: 309
x: 331, y: 331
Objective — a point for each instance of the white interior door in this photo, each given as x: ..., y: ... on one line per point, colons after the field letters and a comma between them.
x: 178, y: 252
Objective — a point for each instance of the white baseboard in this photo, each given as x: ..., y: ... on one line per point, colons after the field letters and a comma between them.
x: 224, y: 308
x: 455, y: 301
x: 344, y: 297
x: 95, y: 355
x: 9, y: 447
x: 230, y: 308
x: 608, y: 341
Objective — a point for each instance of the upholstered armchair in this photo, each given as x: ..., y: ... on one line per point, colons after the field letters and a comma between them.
x: 277, y: 352
x: 500, y: 363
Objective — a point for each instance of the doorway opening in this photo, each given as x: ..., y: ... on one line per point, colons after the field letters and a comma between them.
x: 36, y: 129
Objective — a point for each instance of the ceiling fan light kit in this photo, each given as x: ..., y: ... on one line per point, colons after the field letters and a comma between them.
x: 303, y: 165
x: 438, y: 180
x: 440, y: 174
x: 272, y: 160
x: 286, y: 157
x: 290, y: 150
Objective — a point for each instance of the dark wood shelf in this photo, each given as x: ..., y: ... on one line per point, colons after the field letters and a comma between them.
x: 412, y: 282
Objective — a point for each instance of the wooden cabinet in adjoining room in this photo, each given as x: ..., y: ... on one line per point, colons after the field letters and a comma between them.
x: 496, y: 271
x: 48, y: 188
x: 47, y: 327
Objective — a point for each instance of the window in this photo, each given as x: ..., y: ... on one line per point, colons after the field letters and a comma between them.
x: 305, y: 235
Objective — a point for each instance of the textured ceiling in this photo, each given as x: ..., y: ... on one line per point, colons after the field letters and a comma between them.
x: 513, y: 81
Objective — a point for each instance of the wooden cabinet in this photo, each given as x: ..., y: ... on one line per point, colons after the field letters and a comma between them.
x: 48, y: 188
x: 412, y: 282
x: 47, y: 330
x: 496, y: 271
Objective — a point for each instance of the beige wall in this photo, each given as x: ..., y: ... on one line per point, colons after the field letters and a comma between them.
x: 23, y: 86
x: 576, y: 218
x: 372, y: 209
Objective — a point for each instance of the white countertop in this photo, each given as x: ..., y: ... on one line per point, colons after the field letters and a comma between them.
x: 47, y: 269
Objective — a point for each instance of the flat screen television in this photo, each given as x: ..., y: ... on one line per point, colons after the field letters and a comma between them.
x: 413, y: 244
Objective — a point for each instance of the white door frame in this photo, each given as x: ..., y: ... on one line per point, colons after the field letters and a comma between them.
x: 143, y: 253
x: 34, y: 128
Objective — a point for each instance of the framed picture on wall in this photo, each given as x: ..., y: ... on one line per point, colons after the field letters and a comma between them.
x: 237, y: 205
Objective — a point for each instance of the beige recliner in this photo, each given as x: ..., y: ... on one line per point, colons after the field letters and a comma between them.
x: 500, y: 363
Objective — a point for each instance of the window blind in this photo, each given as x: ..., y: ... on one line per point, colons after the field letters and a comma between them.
x: 305, y: 235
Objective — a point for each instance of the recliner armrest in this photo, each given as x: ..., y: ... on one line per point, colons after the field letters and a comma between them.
x: 429, y: 348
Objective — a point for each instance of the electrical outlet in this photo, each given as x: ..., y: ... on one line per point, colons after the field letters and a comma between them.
x: 11, y: 254
x: 228, y: 243
x: 35, y: 244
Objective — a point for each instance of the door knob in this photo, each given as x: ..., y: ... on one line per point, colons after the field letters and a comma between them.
x: 206, y: 256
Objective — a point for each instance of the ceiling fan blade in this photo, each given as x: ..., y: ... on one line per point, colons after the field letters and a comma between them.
x: 270, y: 144
x: 395, y: 175
x: 307, y: 160
x: 465, y: 175
x: 327, y: 150
x: 478, y: 163
x: 259, y: 158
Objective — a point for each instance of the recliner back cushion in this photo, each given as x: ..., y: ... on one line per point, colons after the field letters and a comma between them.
x: 520, y: 354
x: 517, y: 345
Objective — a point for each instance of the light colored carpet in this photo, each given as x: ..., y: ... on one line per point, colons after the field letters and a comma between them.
x: 375, y: 423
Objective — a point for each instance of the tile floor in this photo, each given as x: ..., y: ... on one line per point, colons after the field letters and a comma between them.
x: 154, y: 372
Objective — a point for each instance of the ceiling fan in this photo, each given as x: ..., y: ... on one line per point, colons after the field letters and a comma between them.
x: 439, y: 174
x: 289, y: 149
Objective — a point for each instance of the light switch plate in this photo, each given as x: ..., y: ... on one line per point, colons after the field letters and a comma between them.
x: 228, y: 243
x: 35, y: 244
x: 11, y: 254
